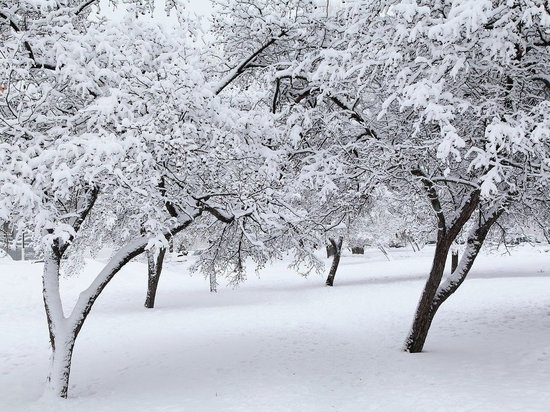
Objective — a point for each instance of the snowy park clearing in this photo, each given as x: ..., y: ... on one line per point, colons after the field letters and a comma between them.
x: 266, y: 134
x: 282, y: 342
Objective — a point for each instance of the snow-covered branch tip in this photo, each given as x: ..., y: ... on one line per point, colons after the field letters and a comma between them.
x: 84, y: 6
x: 16, y: 28
x: 241, y: 68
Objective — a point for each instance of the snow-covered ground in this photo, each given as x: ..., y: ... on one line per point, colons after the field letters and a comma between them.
x: 285, y: 343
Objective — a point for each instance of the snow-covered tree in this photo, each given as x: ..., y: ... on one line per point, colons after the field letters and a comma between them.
x: 394, y: 219
x: 457, y: 97
x: 68, y: 138
x: 285, y: 131
x: 117, y: 120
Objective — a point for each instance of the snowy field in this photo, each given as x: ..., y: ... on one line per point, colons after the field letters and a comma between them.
x: 285, y: 343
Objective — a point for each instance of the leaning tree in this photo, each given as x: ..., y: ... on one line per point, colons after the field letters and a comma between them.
x: 457, y: 97
x: 118, y: 120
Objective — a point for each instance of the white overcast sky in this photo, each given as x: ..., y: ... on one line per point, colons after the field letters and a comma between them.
x: 201, y: 6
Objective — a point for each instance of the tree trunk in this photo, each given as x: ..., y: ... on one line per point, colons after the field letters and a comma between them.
x: 424, y: 316
x: 384, y: 251
x: 446, y: 234
x: 337, y: 246
x: 23, y: 246
x: 475, y: 240
x: 64, y: 330
x: 454, y: 260
x: 433, y: 298
x: 61, y: 338
x: 213, y: 282
x: 154, y: 270
x: 414, y: 245
x: 60, y: 366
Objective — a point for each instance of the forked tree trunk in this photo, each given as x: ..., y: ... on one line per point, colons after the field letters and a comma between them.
x: 154, y: 270
x: 64, y: 330
x: 432, y: 299
x: 474, y: 243
x: 337, y: 247
x: 446, y: 235
x: 60, y: 341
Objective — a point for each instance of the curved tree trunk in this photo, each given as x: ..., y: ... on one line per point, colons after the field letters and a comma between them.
x: 428, y: 307
x: 61, y: 347
x: 423, y: 316
x: 337, y: 247
x: 154, y: 270
x: 446, y: 234
x: 64, y: 330
x: 474, y: 243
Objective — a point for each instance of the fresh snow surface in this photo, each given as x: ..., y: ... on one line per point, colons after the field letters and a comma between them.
x: 285, y: 343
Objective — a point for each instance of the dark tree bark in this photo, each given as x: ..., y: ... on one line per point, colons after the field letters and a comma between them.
x: 61, y: 340
x: 154, y: 263
x: 473, y: 246
x: 454, y: 260
x: 154, y: 269
x: 447, y: 233
x: 433, y: 298
x: 337, y: 246
x: 413, y: 243
x: 423, y: 316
